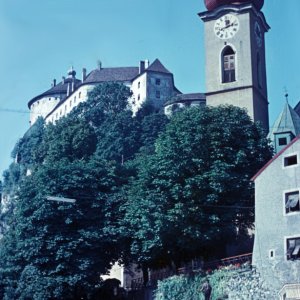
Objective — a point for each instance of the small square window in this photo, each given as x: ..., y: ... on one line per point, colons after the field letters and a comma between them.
x: 282, y: 141
x: 290, y: 160
x: 157, y: 81
x: 157, y: 94
x: 292, y: 202
x: 293, y: 248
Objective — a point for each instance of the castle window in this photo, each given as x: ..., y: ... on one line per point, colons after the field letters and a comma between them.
x: 157, y: 81
x: 228, y: 65
x: 293, y: 248
x: 79, y: 95
x: 139, y: 85
x: 139, y: 97
x: 157, y: 94
x: 282, y: 141
x: 290, y: 160
x: 49, y: 99
x: 70, y: 102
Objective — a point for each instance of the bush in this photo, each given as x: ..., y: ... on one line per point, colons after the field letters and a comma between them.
x: 229, y: 282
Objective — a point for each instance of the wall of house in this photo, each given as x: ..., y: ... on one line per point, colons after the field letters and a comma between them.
x: 160, y: 88
x: 139, y: 90
x: 42, y: 107
x: 273, y: 224
x: 70, y: 102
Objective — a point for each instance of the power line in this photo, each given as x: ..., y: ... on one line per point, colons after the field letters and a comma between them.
x: 14, y: 110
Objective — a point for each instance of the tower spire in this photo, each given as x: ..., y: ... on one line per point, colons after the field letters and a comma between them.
x: 286, y: 95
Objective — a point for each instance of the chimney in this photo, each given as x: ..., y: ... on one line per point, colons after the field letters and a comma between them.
x: 68, y: 90
x: 83, y: 74
x: 99, y: 65
x: 54, y: 82
x: 142, y: 66
x: 147, y: 63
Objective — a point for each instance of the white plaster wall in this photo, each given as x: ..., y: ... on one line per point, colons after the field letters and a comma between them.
x: 42, y: 107
x: 272, y: 225
x: 72, y: 101
x: 139, y: 91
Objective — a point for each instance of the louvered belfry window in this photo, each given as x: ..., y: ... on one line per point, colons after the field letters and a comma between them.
x: 228, y: 65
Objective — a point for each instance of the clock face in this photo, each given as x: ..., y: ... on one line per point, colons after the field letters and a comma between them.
x: 258, y: 34
x: 226, y: 26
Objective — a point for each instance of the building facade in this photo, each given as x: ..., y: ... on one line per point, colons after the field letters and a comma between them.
x: 276, y: 252
x: 151, y: 82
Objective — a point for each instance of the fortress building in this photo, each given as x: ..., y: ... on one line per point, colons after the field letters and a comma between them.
x: 151, y: 82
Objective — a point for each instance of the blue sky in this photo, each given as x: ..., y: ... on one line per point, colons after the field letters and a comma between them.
x: 40, y: 40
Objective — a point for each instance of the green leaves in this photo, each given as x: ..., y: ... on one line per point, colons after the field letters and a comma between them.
x: 203, y: 163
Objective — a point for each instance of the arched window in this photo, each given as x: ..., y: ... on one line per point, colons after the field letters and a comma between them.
x: 228, y: 65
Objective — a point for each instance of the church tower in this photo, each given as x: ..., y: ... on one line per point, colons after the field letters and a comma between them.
x: 235, y: 56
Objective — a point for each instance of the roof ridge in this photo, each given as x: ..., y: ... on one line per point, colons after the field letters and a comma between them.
x: 275, y: 157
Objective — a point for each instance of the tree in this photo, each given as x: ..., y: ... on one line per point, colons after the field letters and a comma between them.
x: 63, y: 242
x: 104, y: 100
x: 194, y: 194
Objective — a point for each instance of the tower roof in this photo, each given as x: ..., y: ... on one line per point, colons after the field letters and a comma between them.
x: 288, y: 121
x: 60, y: 88
x: 157, y: 66
x: 212, y: 4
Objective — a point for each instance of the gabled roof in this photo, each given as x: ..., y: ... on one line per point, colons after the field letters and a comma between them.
x: 288, y: 121
x: 157, y: 66
x: 297, y: 138
x: 112, y: 74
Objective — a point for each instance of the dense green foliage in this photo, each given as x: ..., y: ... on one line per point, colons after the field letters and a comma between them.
x: 55, y: 249
x: 231, y: 282
x: 190, y: 197
x: 147, y: 190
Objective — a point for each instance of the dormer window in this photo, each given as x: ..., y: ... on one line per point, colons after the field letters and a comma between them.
x: 228, y: 65
x: 282, y: 141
